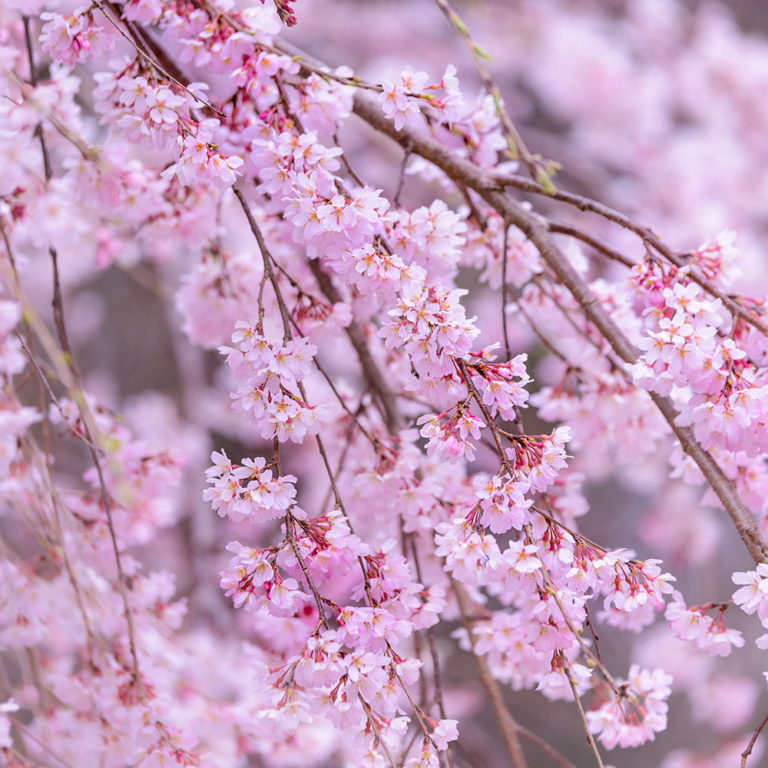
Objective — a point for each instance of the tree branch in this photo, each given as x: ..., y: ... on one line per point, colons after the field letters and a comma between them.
x: 459, y: 169
x: 510, y: 729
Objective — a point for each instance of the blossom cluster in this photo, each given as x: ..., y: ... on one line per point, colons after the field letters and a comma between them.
x: 424, y: 381
x: 268, y: 377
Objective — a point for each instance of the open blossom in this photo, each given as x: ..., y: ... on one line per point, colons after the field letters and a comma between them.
x: 397, y: 98
x: 249, y: 490
x: 255, y: 584
x: 449, y: 433
x: 215, y: 295
x: 719, y: 260
x: 634, y: 590
x: 431, y: 324
x: 467, y: 553
x: 431, y: 237
x: 540, y: 458
x: 753, y: 595
x: 637, y: 713
x: 370, y: 627
x: 268, y: 377
x: 557, y: 684
x: 163, y: 105
x: 444, y: 732
x: 71, y: 38
x: 200, y: 162
x: 502, y: 385
x: 522, y: 557
x: 502, y: 503
x: 707, y: 633
x: 144, y: 11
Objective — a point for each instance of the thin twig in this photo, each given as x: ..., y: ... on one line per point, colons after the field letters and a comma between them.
x: 646, y: 234
x: 585, y: 724
x: 510, y: 729
x: 515, y: 143
x: 401, y: 178
x: 290, y: 535
x: 90, y: 429
x: 748, y: 749
x: 545, y: 746
x: 504, y: 290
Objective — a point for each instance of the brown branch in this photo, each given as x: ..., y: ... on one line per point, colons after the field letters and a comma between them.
x: 535, y: 229
x: 646, y: 234
x: 515, y: 143
x: 371, y: 372
x: 748, y: 749
x: 546, y: 747
x: 601, y: 247
x: 597, y: 314
x: 579, y: 706
x: 510, y: 729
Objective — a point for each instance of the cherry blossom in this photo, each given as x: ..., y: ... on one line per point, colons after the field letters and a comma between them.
x: 333, y: 398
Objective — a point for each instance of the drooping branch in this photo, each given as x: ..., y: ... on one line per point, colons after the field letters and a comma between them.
x: 510, y: 730
x: 751, y: 745
x: 535, y: 228
x: 371, y: 372
x: 646, y: 234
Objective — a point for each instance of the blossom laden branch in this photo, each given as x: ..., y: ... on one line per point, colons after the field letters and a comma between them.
x: 457, y: 168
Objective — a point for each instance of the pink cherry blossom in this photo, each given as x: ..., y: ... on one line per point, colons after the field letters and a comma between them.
x: 326, y: 391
